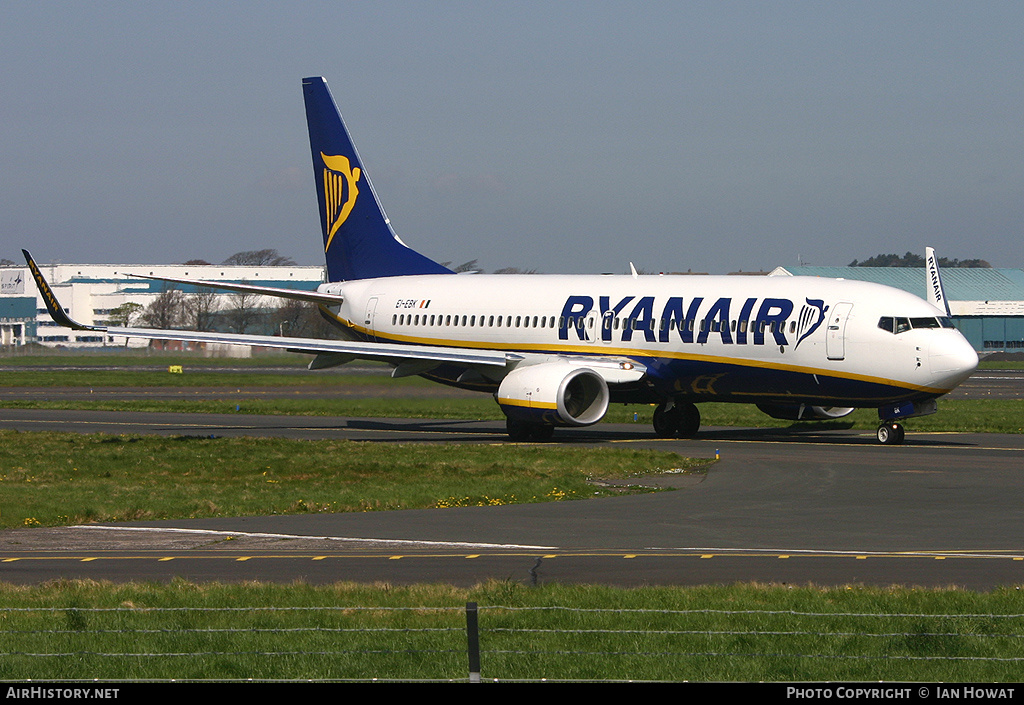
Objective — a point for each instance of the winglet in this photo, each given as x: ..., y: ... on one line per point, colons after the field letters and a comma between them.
x: 936, y: 294
x: 57, y: 312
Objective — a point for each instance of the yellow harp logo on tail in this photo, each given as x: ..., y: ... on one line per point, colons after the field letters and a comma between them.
x: 340, y: 192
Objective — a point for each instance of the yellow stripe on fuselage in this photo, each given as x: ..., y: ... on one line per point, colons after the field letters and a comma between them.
x: 602, y: 350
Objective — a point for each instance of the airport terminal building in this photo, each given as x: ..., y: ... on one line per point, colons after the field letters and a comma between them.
x: 93, y: 293
x: 986, y: 304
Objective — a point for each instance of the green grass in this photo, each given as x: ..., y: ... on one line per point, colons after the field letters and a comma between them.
x: 357, y: 396
x: 739, y: 633
x: 203, y: 377
x: 955, y: 415
x: 1002, y: 364
x: 65, y: 478
x: 141, y: 357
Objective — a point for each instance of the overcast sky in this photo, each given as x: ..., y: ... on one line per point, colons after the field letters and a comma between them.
x: 558, y: 136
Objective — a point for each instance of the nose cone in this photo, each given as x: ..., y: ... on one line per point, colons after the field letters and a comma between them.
x: 952, y: 360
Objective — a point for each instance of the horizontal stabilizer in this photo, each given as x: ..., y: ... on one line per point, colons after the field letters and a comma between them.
x: 297, y: 294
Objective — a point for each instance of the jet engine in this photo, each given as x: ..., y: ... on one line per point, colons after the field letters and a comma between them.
x: 554, y: 393
x: 804, y: 412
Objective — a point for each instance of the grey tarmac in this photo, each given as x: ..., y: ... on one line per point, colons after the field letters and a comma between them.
x: 825, y: 507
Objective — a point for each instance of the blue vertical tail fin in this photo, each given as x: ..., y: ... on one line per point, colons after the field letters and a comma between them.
x: 358, y: 240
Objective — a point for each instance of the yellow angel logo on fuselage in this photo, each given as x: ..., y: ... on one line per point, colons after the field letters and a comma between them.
x: 340, y: 192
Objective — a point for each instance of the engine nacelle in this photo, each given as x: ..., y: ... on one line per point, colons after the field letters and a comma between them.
x: 554, y: 393
x: 804, y: 412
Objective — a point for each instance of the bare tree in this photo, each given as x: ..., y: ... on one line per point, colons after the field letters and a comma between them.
x: 242, y: 313
x: 165, y: 311
x: 301, y: 319
x: 514, y: 270
x: 199, y: 309
x: 259, y: 258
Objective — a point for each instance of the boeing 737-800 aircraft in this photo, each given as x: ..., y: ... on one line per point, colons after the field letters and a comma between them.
x: 555, y: 350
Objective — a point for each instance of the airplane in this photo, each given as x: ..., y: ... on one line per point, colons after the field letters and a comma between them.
x: 556, y: 350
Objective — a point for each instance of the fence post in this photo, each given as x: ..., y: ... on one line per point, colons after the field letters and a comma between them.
x: 473, y: 642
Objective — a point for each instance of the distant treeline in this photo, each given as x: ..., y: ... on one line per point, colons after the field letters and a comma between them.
x: 914, y: 260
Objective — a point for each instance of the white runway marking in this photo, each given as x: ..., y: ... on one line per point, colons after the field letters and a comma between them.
x: 347, y: 539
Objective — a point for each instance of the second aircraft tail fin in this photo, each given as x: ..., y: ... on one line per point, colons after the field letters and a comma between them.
x: 358, y: 240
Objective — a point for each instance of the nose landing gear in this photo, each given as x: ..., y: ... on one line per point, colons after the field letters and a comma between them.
x: 890, y: 433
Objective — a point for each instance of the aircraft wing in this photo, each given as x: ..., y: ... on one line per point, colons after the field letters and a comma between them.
x: 363, y: 350
x: 408, y: 359
x: 299, y: 295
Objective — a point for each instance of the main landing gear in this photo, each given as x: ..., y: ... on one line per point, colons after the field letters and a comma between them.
x: 676, y: 420
x: 526, y: 431
x: 890, y: 433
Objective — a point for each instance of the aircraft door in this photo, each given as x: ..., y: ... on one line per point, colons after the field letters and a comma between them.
x: 368, y: 319
x: 835, y: 337
x: 602, y: 330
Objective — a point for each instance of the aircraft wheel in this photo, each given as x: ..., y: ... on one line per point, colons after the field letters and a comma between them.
x: 666, y: 421
x: 517, y: 430
x: 890, y: 434
x: 689, y: 422
x: 681, y: 421
x: 541, y: 432
x: 526, y: 431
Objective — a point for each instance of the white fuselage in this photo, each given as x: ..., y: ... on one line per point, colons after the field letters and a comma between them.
x: 750, y: 339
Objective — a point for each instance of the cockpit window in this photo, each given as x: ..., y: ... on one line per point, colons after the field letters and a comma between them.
x: 901, y: 325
